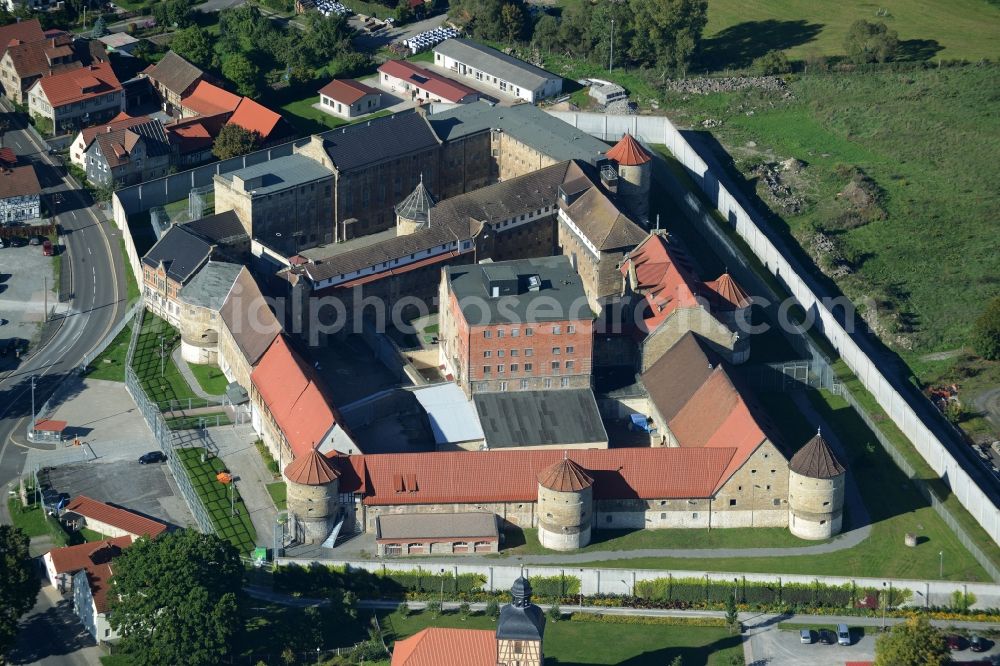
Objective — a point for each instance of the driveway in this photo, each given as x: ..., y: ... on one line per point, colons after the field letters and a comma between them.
x: 52, y: 635
x: 774, y: 647
x: 368, y: 42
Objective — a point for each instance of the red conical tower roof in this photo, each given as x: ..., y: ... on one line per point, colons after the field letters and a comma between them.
x: 312, y: 469
x: 565, y: 476
x: 731, y: 292
x: 628, y: 152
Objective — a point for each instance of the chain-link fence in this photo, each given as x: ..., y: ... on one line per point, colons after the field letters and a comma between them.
x: 168, y: 440
x: 201, y: 202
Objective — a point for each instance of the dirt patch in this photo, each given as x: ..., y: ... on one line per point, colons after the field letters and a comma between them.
x: 862, y: 200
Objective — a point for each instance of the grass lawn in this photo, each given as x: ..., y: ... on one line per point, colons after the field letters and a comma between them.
x: 309, y: 120
x: 569, y: 642
x: 210, y: 377
x: 739, y: 31
x: 34, y: 522
x: 170, y: 385
x: 237, y: 529
x: 111, y: 363
x: 200, y: 421
x: 278, y: 492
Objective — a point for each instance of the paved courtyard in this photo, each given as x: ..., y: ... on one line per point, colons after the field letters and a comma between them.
x: 24, y: 273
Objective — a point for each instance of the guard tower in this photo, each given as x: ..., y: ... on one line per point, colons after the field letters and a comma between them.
x: 312, y: 484
x: 815, y: 491
x: 414, y: 211
x: 635, y: 176
x: 565, y: 506
x: 520, y: 629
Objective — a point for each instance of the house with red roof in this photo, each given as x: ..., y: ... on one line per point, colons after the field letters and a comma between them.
x: 669, y: 300
x: 24, y: 62
x: 346, y: 98
x: 107, y: 520
x: 207, y: 100
x: 78, y: 97
x: 86, y: 136
x: 423, y: 85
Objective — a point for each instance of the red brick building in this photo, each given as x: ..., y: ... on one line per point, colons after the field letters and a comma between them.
x: 516, y: 326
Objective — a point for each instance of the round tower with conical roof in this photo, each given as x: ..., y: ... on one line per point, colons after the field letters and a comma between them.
x: 565, y: 506
x: 730, y: 304
x: 635, y: 176
x: 413, y: 212
x: 520, y: 629
x: 815, y: 491
x: 312, y: 488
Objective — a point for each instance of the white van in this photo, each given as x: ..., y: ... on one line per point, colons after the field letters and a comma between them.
x: 843, y: 635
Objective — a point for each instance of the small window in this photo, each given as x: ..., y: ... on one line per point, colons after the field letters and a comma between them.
x: 822, y: 522
x: 753, y: 471
x: 564, y: 382
x: 487, y: 334
x: 694, y: 515
x: 557, y: 330
x: 732, y: 502
x: 556, y: 351
x: 499, y: 368
x: 524, y: 383
x: 499, y: 332
x: 555, y: 365
x: 486, y: 369
x: 663, y: 516
x: 772, y: 471
x: 500, y: 353
x: 487, y: 353
x: 663, y: 502
x: 570, y: 350
x: 826, y: 504
x: 503, y: 386
x: 571, y: 329
x: 777, y: 502
x: 515, y: 352
x: 528, y: 367
x: 529, y: 332
x: 514, y: 332
x: 513, y: 367
x: 548, y: 383
x: 529, y: 352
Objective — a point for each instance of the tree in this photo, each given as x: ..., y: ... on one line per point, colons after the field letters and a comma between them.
x: 512, y: 19
x: 174, y: 599
x: 986, y: 332
x: 492, y: 608
x: 914, y: 643
x: 772, y: 62
x: 667, y: 33
x: 243, y: 74
x: 870, y: 42
x: 554, y: 612
x: 403, y: 12
x: 546, y: 34
x: 100, y: 28
x: 732, y: 613
x: 19, y: 583
x: 194, y: 45
x: 434, y: 608
x: 464, y: 609
x: 234, y: 141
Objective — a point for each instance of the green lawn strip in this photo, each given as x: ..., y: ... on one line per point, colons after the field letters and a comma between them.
x: 278, y: 492
x: 115, y: 660
x: 210, y: 378
x: 110, y: 364
x: 895, y: 506
x: 131, y: 286
x: 35, y: 523
x: 238, y: 529
x: 200, y: 421
x: 569, y: 642
x: 962, y: 28
x: 160, y: 378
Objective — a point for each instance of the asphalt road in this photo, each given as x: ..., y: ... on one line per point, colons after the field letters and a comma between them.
x: 97, y: 300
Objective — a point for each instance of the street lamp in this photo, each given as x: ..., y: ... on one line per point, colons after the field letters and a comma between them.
x: 941, y: 564
x: 883, y: 606
x: 581, y: 590
x: 442, y: 589
x: 611, y: 55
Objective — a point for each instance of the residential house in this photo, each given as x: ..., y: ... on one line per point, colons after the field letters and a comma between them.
x: 173, y: 78
x: 254, y: 117
x: 192, y: 139
x: 18, y: 32
x: 107, y: 520
x: 20, y: 194
x: 348, y: 99
x: 62, y: 563
x: 85, y: 137
x: 77, y: 97
x: 423, y: 85
x: 206, y: 99
x: 23, y: 63
x: 494, y: 69
x: 128, y: 155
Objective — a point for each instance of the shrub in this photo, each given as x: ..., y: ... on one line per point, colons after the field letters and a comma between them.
x: 986, y: 332
x: 555, y: 613
x: 434, y: 608
x: 492, y: 607
x: 870, y: 42
x: 772, y: 62
x: 464, y: 609
x: 679, y: 621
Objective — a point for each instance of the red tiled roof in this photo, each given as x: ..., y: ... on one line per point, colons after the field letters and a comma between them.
x: 666, y: 277
x: 311, y: 469
x: 7, y: 157
x: 628, y: 152
x: 121, y: 121
x: 438, y: 646
x: 512, y: 475
x: 37, y: 57
x: 565, y: 476
x: 19, y: 181
x: 440, y: 86
x: 123, y: 519
x: 198, y: 133
x: 347, y: 91
x: 23, y: 31
x: 74, y: 558
x: 289, y: 388
x: 256, y: 118
x: 209, y: 100
x: 79, y: 84
x: 726, y: 293
x: 98, y: 576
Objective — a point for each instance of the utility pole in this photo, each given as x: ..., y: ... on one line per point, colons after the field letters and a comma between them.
x: 941, y: 564
x: 611, y: 56
x: 33, y: 402
x: 45, y: 293
x: 162, y: 357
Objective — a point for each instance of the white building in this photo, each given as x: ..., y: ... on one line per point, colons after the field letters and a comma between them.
x: 20, y: 195
x: 489, y: 67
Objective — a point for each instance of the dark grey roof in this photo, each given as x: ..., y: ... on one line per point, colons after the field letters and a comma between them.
x: 280, y: 174
x: 378, y: 140
x: 521, y: 620
x: 181, y: 251
x: 526, y: 123
x: 816, y: 460
x: 436, y: 525
x: 210, y: 286
x: 221, y: 228
x: 505, y: 200
x: 415, y: 206
x: 560, y: 295
x: 175, y: 73
x: 498, y: 64
x: 534, y: 418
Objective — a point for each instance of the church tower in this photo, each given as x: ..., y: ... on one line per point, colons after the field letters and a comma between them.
x: 520, y: 629
x: 413, y: 212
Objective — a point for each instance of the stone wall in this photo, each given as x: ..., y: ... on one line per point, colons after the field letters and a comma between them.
x: 816, y: 506
x: 199, y: 329
x: 676, y: 325
x: 315, y: 509
x: 564, y: 518
x: 757, y: 494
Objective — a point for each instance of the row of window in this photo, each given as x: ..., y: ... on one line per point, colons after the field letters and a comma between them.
x: 528, y: 351
x: 524, y: 385
x: 487, y: 369
x: 528, y: 332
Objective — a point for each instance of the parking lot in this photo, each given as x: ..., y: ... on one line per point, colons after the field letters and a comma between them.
x: 24, y: 275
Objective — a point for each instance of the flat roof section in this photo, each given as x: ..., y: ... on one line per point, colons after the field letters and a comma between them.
x: 540, y: 418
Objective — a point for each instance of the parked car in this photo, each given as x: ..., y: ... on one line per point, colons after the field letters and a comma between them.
x: 977, y: 644
x: 152, y: 457
x: 954, y: 642
x: 843, y: 635
x: 47, y: 249
x: 826, y: 637
x: 806, y: 636
x: 35, y: 240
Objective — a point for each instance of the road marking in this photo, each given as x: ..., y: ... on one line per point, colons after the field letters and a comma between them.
x: 89, y: 251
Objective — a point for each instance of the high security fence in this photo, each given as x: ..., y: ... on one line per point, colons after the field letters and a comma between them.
x: 168, y: 439
x: 931, y: 435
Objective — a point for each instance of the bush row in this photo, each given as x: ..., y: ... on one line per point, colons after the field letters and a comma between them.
x: 643, y: 619
x: 700, y: 590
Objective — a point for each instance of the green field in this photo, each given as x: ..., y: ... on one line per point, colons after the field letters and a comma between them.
x: 740, y: 30
x: 568, y: 642
x: 926, y: 138
x: 216, y: 497
x: 111, y: 363
x: 199, y: 421
x: 211, y: 379
x: 279, y: 494
x: 160, y: 378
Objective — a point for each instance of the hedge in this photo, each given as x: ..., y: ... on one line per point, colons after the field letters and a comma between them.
x: 700, y: 590
x: 645, y: 619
